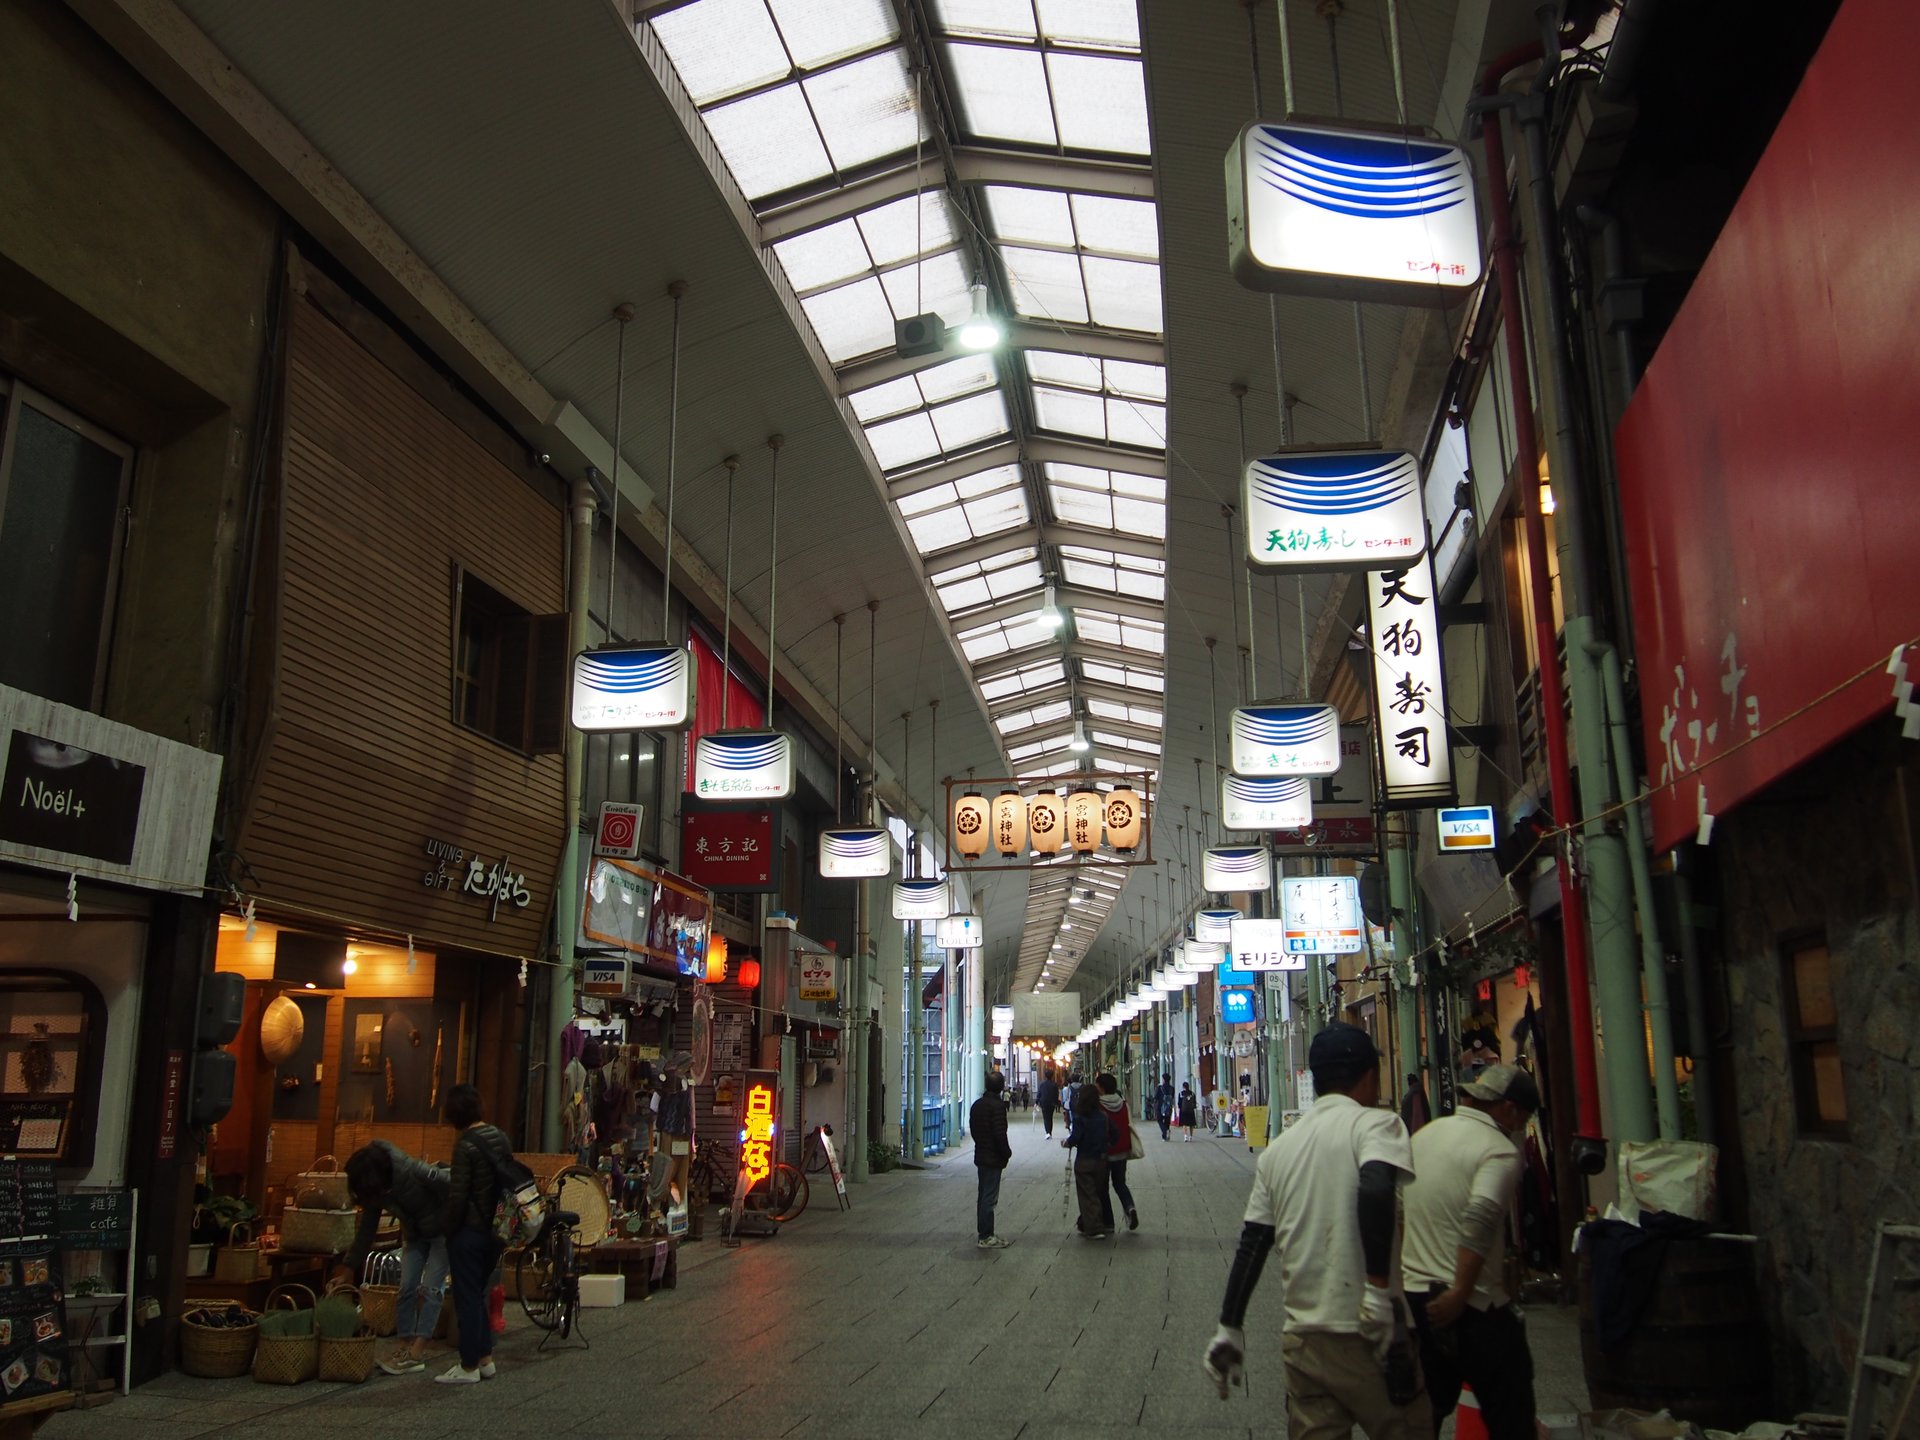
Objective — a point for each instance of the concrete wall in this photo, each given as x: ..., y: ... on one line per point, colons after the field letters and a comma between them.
x: 1831, y: 848
x: 135, y: 266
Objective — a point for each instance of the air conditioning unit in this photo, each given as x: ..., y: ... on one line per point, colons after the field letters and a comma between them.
x: 919, y: 335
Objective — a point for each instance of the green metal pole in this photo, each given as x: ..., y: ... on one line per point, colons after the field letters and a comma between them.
x: 1400, y: 900
x: 566, y: 882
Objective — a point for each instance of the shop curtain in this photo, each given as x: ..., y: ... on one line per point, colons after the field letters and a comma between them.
x: 744, y: 710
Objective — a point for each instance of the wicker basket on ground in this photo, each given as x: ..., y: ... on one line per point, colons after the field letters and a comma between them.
x: 346, y: 1343
x: 292, y: 1355
x: 217, y: 1351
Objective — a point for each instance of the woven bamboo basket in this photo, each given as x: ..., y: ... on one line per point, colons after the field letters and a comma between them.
x: 325, y: 1182
x: 287, y: 1359
x: 346, y: 1358
x: 380, y: 1291
x: 215, y: 1354
x: 317, y: 1232
x: 238, y: 1262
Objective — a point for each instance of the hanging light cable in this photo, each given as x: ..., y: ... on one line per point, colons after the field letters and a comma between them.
x: 732, y: 462
x: 678, y: 291
x: 1253, y: 640
x: 623, y: 314
x: 839, y: 710
x: 873, y: 712
x: 774, y: 443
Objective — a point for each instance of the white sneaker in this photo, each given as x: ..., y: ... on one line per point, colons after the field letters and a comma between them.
x: 457, y: 1375
x: 487, y: 1368
x: 991, y: 1242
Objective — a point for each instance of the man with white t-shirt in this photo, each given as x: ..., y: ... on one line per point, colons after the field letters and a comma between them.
x: 1327, y: 1193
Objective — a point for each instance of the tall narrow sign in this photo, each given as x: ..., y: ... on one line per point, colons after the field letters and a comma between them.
x: 1409, y: 685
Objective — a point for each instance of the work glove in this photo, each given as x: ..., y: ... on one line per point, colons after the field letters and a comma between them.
x: 1226, y: 1358
x: 1377, y: 1319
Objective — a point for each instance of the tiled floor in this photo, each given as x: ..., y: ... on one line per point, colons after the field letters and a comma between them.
x: 880, y: 1322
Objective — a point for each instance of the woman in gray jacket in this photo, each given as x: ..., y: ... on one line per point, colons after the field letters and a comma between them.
x: 383, y: 1177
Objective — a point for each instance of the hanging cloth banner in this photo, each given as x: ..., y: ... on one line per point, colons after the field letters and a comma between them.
x: 1311, y: 510
x: 1352, y: 215
x: 1409, y: 686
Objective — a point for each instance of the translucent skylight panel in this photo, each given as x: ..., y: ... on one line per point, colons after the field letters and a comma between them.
x: 905, y: 441
x: 994, y: 513
x: 940, y: 289
x: 1131, y: 676
x: 984, y: 643
x: 967, y: 422
x: 956, y: 377
x: 1013, y: 18
x: 963, y: 596
x: 1017, y: 556
x: 1091, y: 22
x: 1046, y: 284
x: 1125, y: 742
x: 1115, y: 577
x: 1039, y: 217
x: 1051, y: 713
x: 936, y: 498
x: 938, y: 529
x: 893, y: 234
x: 1014, y: 580
x: 1101, y: 102
x: 1124, y: 294
x: 1024, y: 681
x: 1132, y: 714
x: 895, y: 397
x: 722, y: 47
x: 1070, y: 412
x: 985, y: 482
x: 1140, y: 517
x: 1059, y: 368
x: 769, y: 141
x: 819, y: 33
x: 865, y: 108
x: 1082, y: 507
x: 1094, y: 625
x: 1033, y: 749
x: 852, y: 320
x: 1137, y: 422
x: 1142, y: 382
x: 1002, y: 93
x: 822, y: 257
x: 1121, y: 227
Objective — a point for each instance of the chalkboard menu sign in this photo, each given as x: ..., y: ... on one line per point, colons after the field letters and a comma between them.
x: 29, y: 1204
x: 33, y: 1323
x: 96, y: 1220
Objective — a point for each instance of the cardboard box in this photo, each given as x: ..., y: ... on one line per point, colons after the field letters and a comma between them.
x: 603, y: 1292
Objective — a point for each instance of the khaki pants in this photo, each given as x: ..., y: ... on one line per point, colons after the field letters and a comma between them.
x: 1334, y: 1383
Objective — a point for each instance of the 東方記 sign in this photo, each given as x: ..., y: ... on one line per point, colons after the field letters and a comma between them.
x: 633, y: 687
x: 1466, y: 827
x: 728, y: 850
x: 1284, y: 740
x: 1351, y: 215
x: 1333, y: 509
x: 1409, y: 685
x: 743, y: 765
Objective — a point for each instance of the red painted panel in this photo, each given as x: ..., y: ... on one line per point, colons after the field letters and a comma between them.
x: 1767, y: 461
x: 729, y: 850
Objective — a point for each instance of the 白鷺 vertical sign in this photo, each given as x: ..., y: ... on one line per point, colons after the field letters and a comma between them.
x: 633, y: 687
x: 1333, y: 509
x: 1409, y: 685
x: 1348, y: 215
x: 1284, y: 740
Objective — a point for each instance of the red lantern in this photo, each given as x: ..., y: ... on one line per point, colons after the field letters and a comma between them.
x: 749, y: 974
x: 1522, y: 977
x: 716, y: 959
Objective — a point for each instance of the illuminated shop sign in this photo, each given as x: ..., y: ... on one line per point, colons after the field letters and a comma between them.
x: 1321, y: 915
x: 1261, y: 945
x: 633, y: 687
x: 1284, y: 740
x: 757, y: 1128
x: 854, y: 853
x: 1284, y: 802
x: 1409, y: 684
x: 1225, y: 869
x: 1333, y: 510
x: 743, y: 765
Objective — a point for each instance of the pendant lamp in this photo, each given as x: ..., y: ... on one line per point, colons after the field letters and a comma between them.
x: 1084, y: 819
x: 970, y: 825
x: 1009, y: 823
x: 1047, y: 822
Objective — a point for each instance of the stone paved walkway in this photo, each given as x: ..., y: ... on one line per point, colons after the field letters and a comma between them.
x: 884, y: 1321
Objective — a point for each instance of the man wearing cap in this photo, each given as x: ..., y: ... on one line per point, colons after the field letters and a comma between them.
x: 1456, y: 1213
x: 1326, y: 1193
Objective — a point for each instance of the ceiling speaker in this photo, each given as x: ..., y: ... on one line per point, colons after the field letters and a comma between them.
x: 919, y: 335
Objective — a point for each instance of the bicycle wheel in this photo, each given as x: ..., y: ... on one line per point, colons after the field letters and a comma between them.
x: 566, y: 1281
x: 815, y: 1157
x: 787, y: 1192
x: 535, y: 1277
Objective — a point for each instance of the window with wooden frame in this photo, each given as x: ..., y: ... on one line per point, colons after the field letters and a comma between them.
x: 1812, y: 1020
x: 63, y: 513
x: 509, y: 669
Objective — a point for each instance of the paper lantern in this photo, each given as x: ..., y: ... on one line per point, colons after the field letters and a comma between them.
x: 716, y: 959
x: 970, y: 825
x: 1047, y: 822
x: 1084, y: 812
x: 1123, y: 819
x: 1009, y: 823
x: 749, y: 974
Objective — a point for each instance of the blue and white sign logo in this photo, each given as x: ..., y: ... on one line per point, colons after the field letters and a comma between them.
x: 743, y: 765
x: 1227, y: 868
x: 922, y: 900
x: 633, y: 687
x: 1333, y: 509
x: 959, y: 932
x: 854, y: 853
x: 1214, y: 925
x: 1236, y: 1007
x: 1268, y: 740
x: 1347, y: 214
x: 1466, y: 827
x: 1282, y: 803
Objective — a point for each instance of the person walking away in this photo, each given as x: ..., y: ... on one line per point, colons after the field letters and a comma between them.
x: 987, y: 1122
x: 1414, y: 1110
x: 1189, y: 1110
x: 1087, y: 1138
x: 1325, y: 1193
x: 473, y: 1189
x: 1069, y: 1093
x: 1163, y: 1105
x: 1119, y: 1151
x: 1467, y: 1173
x: 1049, y: 1096
x: 383, y: 1177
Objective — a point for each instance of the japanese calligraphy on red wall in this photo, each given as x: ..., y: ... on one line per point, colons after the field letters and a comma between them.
x: 729, y: 850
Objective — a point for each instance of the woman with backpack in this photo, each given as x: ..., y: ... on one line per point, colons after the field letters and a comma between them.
x: 1088, y: 1140
x: 1189, y: 1110
x: 473, y: 1190
x: 1119, y: 1150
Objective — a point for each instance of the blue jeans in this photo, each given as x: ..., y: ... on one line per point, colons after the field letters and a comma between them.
x: 989, y: 1197
x: 423, y: 1283
x: 473, y: 1252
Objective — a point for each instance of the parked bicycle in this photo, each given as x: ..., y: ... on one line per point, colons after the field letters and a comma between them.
x: 547, y: 1272
x: 813, y: 1152
x: 782, y: 1193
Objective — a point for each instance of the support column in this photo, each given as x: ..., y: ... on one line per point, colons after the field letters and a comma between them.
x: 566, y: 883
x: 1401, y: 901
x: 854, y: 1142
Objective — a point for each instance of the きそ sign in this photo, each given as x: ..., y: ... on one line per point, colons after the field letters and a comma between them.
x: 1346, y: 214
x: 1284, y: 740
x: 1326, y: 510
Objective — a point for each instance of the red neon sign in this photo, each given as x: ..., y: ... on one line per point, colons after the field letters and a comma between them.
x: 756, y: 1134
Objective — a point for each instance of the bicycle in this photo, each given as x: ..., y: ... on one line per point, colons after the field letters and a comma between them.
x: 547, y: 1272
x: 782, y: 1193
x: 813, y: 1153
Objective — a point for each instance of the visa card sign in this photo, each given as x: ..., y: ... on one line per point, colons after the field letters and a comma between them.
x: 1351, y: 215
x: 1466, y: 827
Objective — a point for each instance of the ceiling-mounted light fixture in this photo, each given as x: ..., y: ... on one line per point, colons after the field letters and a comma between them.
x: 1080, y: 745
x: 981, y: 330
x: 1050, y: 615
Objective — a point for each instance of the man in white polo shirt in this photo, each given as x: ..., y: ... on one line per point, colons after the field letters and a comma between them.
x: 1468, y: 1169
x: 1326, y: 1192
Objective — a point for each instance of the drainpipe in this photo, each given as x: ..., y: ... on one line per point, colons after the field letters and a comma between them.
x: 566, y: 908
x: 1623, y: 52
x: 1653, y: 967
x: 1589, y: 1144
x: 1400, y: 902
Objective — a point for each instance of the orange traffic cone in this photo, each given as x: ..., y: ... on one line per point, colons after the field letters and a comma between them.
x: 1467, y: 1424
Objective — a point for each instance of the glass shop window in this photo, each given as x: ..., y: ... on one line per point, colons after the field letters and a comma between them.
x: 509, y: 669
x: 1819, y: 1082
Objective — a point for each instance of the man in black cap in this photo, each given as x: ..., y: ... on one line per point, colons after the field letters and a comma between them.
x: 1469, y: 1170
x: 1326, y: 1193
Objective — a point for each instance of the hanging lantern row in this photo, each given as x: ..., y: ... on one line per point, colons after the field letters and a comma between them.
x: 1046, y: 822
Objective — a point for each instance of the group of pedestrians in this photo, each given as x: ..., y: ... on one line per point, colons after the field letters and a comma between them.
x: 1383, y: 1326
